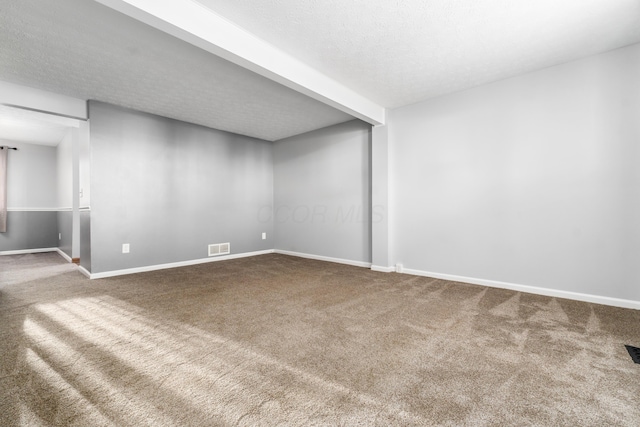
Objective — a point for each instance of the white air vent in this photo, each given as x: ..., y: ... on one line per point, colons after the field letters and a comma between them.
x: 219, y: 249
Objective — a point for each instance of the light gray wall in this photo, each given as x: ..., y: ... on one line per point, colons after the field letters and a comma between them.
x: 532, y: 180
x: 64, y: 176
x: 84, y: 165
x: 75, y: 155
x: 170, y: 188
x: 380, y: 197
x: 31, y: 176
x: 323, y: 194
x: 83, y: 189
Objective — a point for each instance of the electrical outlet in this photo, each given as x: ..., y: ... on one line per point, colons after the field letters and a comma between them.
x: 264, y: 236
x: 125, y: 248
x: 59, y: 236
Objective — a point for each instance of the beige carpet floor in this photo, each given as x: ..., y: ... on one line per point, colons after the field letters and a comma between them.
x: 278, y: 340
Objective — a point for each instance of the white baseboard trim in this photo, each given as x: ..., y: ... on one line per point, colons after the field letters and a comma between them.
x: 383, y: 269
x: 324, y: 258
x: 28, y: 251
x: 84, y: 271
x: 125, y: 271
x: 597, y: 299
x: 63, y: 255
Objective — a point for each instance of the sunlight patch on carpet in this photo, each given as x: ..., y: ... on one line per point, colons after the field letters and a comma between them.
x: 107, y: 360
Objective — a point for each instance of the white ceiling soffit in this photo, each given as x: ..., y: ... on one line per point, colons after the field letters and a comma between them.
x: 40, y: 100
x: 85, y: 50
x: 401, y: 52
x: 33, y: 127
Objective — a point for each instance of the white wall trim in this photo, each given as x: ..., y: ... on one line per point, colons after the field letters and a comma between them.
x: 325, y: 258
x: 28, y: 251
x: 147, y: 268
x: 63, y: 255
x: 38, y: 209
x: 597, y: 299
x: 383, y: 269
x: 84, y: 271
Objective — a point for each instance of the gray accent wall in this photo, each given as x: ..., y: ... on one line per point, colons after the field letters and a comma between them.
x: 169, y: 188
x: 30, y: 230
x: 85, y: 239
x: 532, y: 180
x: 322, y: 202
x: 65, y: 230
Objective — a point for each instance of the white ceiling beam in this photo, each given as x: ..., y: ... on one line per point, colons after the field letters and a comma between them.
x: 200, y: 26
x: 13, y: 95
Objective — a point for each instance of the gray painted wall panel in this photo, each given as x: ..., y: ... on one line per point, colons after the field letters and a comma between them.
x: 65, y: 229
x: 30, y: 230
x: 85, y: 239
x: 532, y: 180
x: 170, y: 188
x: 323, y: 192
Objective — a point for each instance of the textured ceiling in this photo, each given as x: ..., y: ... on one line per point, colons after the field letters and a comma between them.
x: 85, y: 50
x: 394, y: 52
x: 398, y: 52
